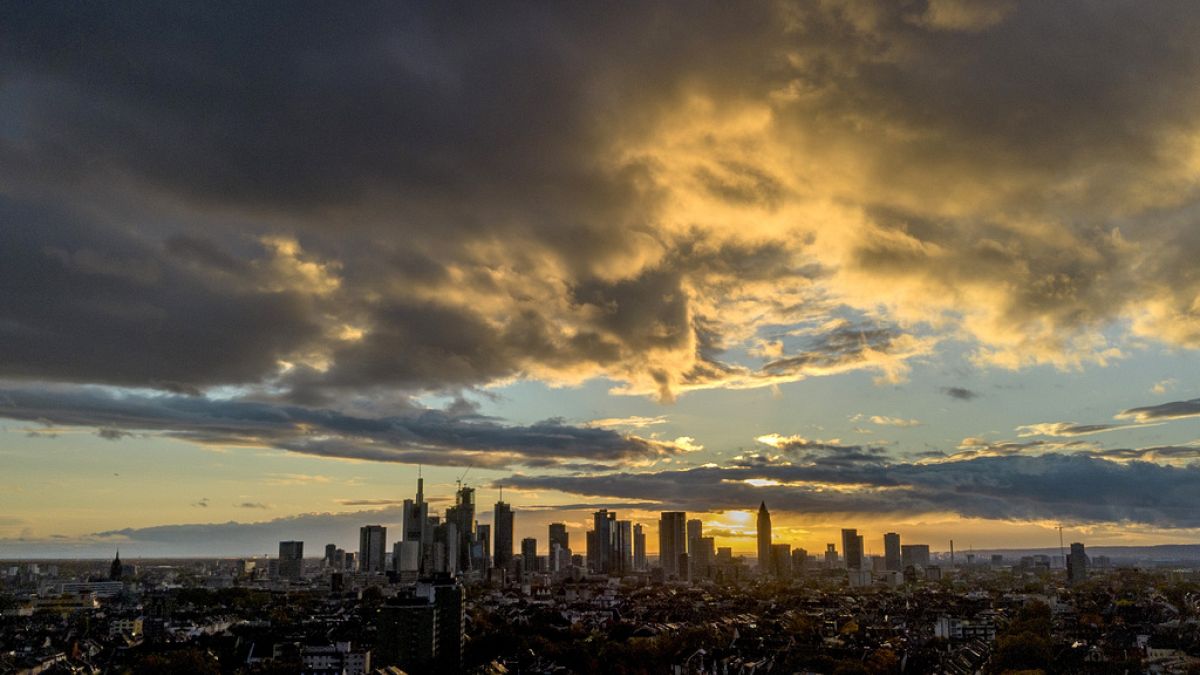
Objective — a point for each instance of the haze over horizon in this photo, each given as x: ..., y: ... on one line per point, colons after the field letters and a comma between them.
x: 925, y: 267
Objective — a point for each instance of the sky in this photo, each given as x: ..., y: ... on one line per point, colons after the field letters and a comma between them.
x: 918, y: 266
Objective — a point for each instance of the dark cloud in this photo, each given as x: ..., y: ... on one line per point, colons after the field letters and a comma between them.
x: 1163, y: 411
x: 960, y: 393
x: 252, y: 505
x: 421, y: 436
x: 1067, y: 488
x: 1067, y: 429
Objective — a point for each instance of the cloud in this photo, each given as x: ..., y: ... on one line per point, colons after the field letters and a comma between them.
x: 1174, y: 410
x: 1067, y: 429
x: 423, y: 436
x: 252, y: 505
x: 201, y: 503
x: 1050, y: 486
x: 885, y: 421
x: 335, y: 215
x: 960, y: 393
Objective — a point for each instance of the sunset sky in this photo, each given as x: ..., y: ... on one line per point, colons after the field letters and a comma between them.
x: 922, y: 266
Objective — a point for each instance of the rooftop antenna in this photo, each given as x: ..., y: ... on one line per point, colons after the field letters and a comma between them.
x: 502, y: 492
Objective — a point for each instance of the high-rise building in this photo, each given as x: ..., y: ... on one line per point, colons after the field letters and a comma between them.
x: 672, y: 541
x: 852, y: 549
x: 417, y: 527
x: 372, y: 549
x: 423, y: 631
x: 639, y: 548
x: 560, y: 536
x: 462, y: 514
x: 891, y: 552
x: 799, y: 560
x: 604, y: 525
x: 1077, y: 564
x: 781, y: 561
x: 560, y: 550
x: 622, y: 561
x: 330, y: 554
x: 914, y: 555
x: 502, y: 552
x: 764, y: 539
x: 482, y: 552
x: 291, y: 559
x: 529, y: 554
x: 831, y: 556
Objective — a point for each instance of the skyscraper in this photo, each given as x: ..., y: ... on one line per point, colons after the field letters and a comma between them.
x: 623, y: 547
x: 372, y: 549
x: 672, y: 541
x: 891, y: 552
x: 604, y: 525
x: 764, y: 539
x: 852, y: 548
x: 914, y: 555
x: 639, y: 548
x: 560, y: 536
x: 417, y: 528
x: 1077, y: 564
x: 462, y: 514
x: 291, y: 559
x: 502, y: 552
x: 529, y: 554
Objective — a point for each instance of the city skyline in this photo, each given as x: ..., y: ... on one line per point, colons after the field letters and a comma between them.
x: 919, y: 268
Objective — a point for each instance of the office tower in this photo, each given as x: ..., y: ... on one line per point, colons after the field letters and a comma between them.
x: 799, y: 560
x: 462, y: 514
x: 695, y: 530
x: 372, y: 543
x: 423, y: 631
x: 406, y: 559
x: 764, y: 539
x: 639, y: 548
x: 330, y: 554
x: 529, y: 554
x: 703, y: 557
x: 559, y: 535
x: 672, y: 541
x: 604, y: 525
x: 914, y: 555
x: 502, y: 552
x: 623, y: 547
x: 781, y: 560
x: 593, y: 552
x: 831, y: 556
x: 417, y: 527
x: 891, y: 552
x: 1077, y: 564
x: 483, y: 550
x: 852, y: 548
x: 445, y: 556
x: 291, y: 559
x: 725, y: 555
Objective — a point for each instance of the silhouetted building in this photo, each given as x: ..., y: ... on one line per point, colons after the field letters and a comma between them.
x: 672, y: 541
x: 622, y: 547
x: 914, y: 555
x: 372, y: 549
x: 462, y: 515
x: 604, y: 558
x: 852, y: 549
x: 114, y: 570
x: 639, y: 548
x: 764, y: 539
x: 1077, y: 564
x: 529, y: 554
x: 781, y: 560
x: 891, y: 552
x: 291, y: 559
x: 502, y: 552
x: 417, y: 528
x: 423, y: 632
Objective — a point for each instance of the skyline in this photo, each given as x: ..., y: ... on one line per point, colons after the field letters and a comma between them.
x: 924, y: 268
